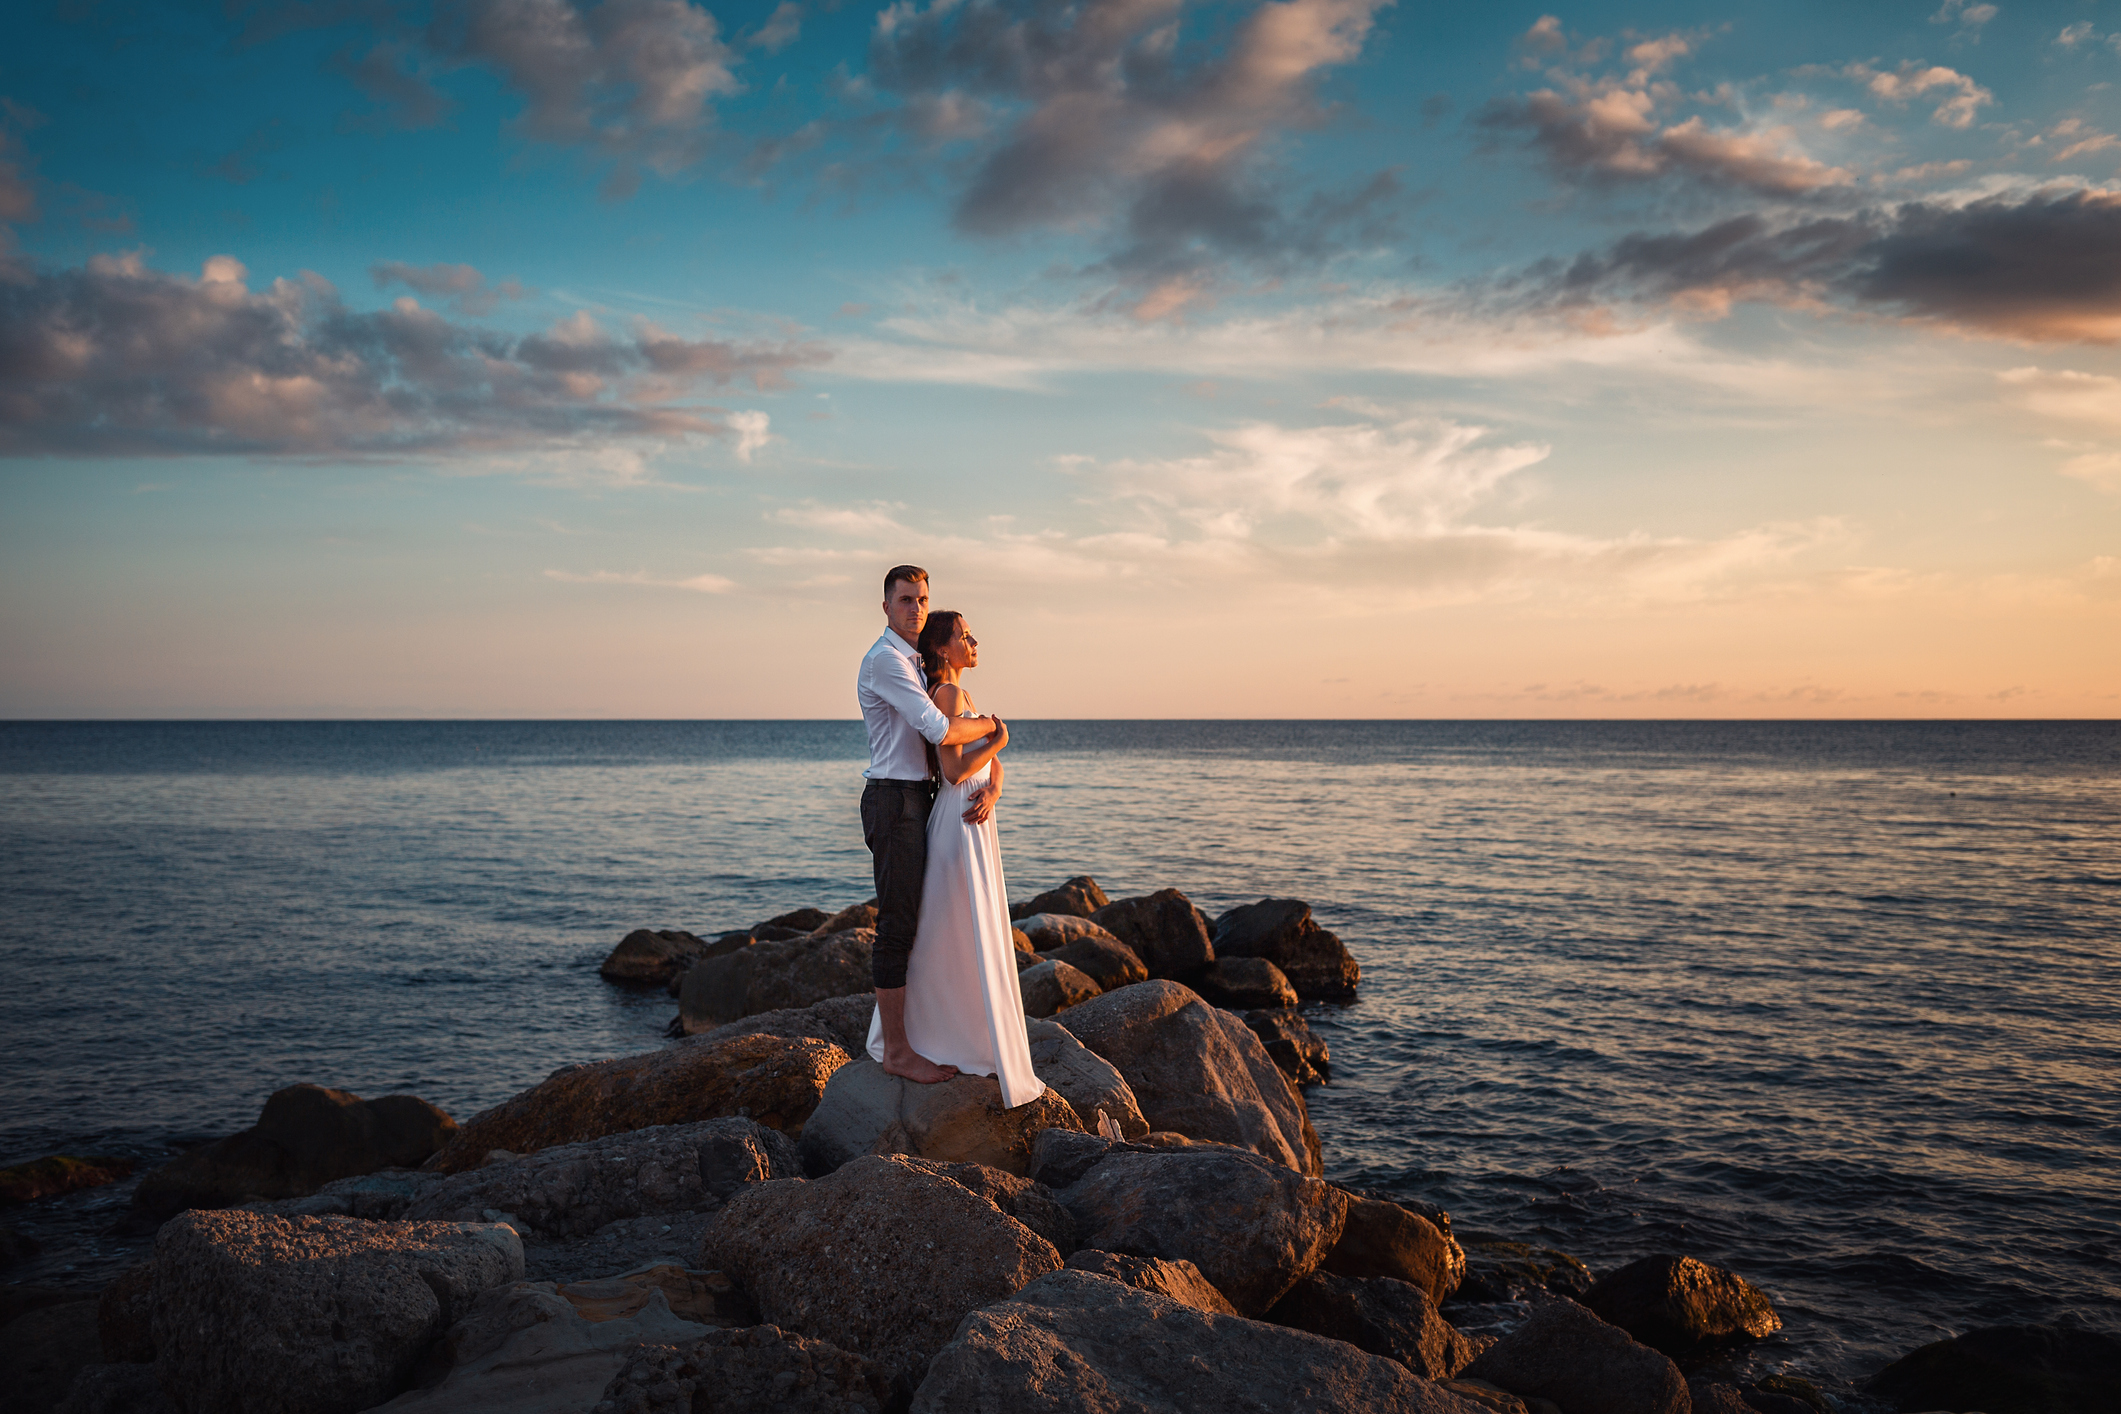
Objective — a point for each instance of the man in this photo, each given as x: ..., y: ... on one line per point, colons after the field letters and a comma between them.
x: 895, y: 803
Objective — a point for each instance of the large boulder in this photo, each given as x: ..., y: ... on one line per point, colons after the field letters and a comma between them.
x: 569, y: 1190
x: 1089, y: 1083
x: 1046, y: 931
x: 1104, y: 960
x: 43, y: 1350
x: 1245, y: 984
x: 650, y: 957
x: 882, y: 1256
x: 796, y: 972
x: 1282, y: 931
x: 762, y: 1367
x: 310, y: 1315
x: 962, y: 1119
x: 1677, y: 1304
x: 306, y: 1136
x: 1253, y: 1227
x: 1380, y: 1315
x: 844, y: 1021
x: 1564, y: 1353
x: 123, y: 1388
x: 855, y: 916
x: 1500, y: 1270
x: 774, y: 1080
x: 1080, y: 896
x: 125, y: 1315
x: 1387, y: 1239
x: 1077, y: 1340
x: 2008, y: 1370
x: 54, y: 1174
x: 1179, y: 1280
x: 1052, y: 986
x: 1165, y: 931
x: 1028, y: 1201
x: 1292, y: 1045
x: 1199, y: 1071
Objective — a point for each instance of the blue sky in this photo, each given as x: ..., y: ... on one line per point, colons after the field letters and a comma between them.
x: 1307, y: 358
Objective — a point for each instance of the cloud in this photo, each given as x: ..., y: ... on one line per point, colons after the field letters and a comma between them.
x: 1969, y: 17
x: 390, y: 74
x: 2093, y: 398
x: 698, y: 584
x: 1962, y: 96
x: 782, y: 28
x: 2101, y: 469
x: 460, y: 285
x: 115, y: 358
x: 751, y: 432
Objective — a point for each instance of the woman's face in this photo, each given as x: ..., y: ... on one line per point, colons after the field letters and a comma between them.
x: 961, y: 649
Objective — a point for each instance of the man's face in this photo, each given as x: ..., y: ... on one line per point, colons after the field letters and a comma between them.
x: 907, y: 608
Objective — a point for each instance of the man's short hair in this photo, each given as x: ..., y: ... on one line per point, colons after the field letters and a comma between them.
x: 906, y: 572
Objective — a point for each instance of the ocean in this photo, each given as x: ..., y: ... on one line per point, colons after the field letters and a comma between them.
x: 1837, y: 1005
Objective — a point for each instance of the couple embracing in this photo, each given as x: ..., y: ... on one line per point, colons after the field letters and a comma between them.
x: 944, y: 962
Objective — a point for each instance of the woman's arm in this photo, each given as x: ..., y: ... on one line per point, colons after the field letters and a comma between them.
x: 979, y: 806
x: 956, y: 762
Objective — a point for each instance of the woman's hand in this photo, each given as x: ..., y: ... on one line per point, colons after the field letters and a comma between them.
x: 979, y: 805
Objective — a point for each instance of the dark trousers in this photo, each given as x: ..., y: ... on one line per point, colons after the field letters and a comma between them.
x: 895, y: 823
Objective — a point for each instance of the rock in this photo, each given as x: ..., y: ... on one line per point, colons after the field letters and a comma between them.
x: 1282, y: 931
x: 1053, y: 986
x: 17, y: 1247
x: 883, y: 1254
x: 1253, y: 1227
x: 807, y: 920
x: 1566, y: 1354
x: 844, y: 1021
x: 569, y: 1190
x: 1709, y: 1397
x: 959, y: 1120
x: 125, y: 1313
x: 1790, y: 1387
x: 1199, y: 1071
x: 18, y: 1299
x: 1047, y: 931
x: 1029, y: 1202
x: 759, y: 1368
x: 2008, y: 1370
x: 1080, y: 896
x: 1060, y: 1157
x: 59, y: 1173
x: 1380, y: 1315
x: 773, y: 1080
x: 774, y: 976
x: 306, y: 1136
x: 1291, y: 1045
x: 43, y: 1350
x: 1104, y: 960
x: 119, y: 1388
x: 1245, y: 984
x: 1677, y: 1304
x: 1163, y: 929
x: 651, y: 957
x: 704, y: 1298
x: 1179, y: 1280
x: 1077, y: 1340
x: 310, y: 1315
x: 849, y: 919
x: 1384, y: 1239
x: 1504, y: 1271
x: 382, y: 1196
x: 1086, y: 1080
x: 1494, y: 1397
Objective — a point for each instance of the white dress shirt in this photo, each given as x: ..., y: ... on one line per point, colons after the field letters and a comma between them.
x: 896, y: 709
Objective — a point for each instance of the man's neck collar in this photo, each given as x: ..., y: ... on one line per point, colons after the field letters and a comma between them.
x: 911, y: 646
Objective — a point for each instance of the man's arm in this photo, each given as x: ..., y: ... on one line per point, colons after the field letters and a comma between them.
x: 895, y: 682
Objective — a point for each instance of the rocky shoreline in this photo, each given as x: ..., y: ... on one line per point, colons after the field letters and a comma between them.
x: 756, y: 1217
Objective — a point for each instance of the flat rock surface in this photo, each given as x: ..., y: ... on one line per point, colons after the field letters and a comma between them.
x: 963, y: 1119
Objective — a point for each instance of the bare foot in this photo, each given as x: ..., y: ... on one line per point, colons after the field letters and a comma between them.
x: 912, y: 1065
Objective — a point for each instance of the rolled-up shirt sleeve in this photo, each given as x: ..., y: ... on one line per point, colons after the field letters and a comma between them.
x: 895, y: 682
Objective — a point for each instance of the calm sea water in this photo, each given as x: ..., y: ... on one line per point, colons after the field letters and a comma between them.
x: 1838, y: 1005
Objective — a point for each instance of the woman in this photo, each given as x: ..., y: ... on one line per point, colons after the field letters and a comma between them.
x: 963, y: 1010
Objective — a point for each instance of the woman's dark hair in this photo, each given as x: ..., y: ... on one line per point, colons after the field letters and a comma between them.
x: 934, y: 634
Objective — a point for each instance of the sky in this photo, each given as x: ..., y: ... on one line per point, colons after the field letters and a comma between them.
x: 1307, y: 358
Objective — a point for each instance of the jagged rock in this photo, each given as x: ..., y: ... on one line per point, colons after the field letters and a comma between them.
x: 1165, y: 931
x: 1380, y: 1315
x: 1564, y: 1353
x: 59, y: 1173
x: 1253, y: 1227
x: 1496, y: 1270
x: 125, y: 1316
x: 1244, y: 984
x: 961, y: 1120
x: 310, y: 1315
x: 884, y: 1255
x: 1282, y: 931
x: 306, y: 1136
x: 1677, y: 1304
x: 569, y: 1190
x: 798, y: 972
x: 774, y: 1080
x: 1198, y: 1070
x: 1028, y: 1201
x: 1052, y: 986
x: 1180, y: 1280
x: 844, y: 1021
x: 1104, y: 960
x: 1291, y: 1045
x: 854, y: 917
x: 1385, y: 1239
x: 2008, y: 1370
x: 759, y: 1368
x: 652, y: 956
x: 1086, y: 1080
x: 1076, y: 1341
x: 43, y: 1350
x: 1080, y: 896
x: 117, y: 1388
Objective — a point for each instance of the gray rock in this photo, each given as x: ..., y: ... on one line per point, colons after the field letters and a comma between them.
x: 1052, y: 986
x: 1028, y: 1201
x: 1060, y: 1157
x: 114, y: 1389
x: 959, y: 1120
x: 1245, y: 984
x: 1080, y: 896
x: 1677, y: 1304
x: 794, y: 973
x: 382, y: 1196
x: 1498, y: 1270
x: 1253, y: 1227
x: 844, y: 1021
x: 2008, y: 1370
x: 1380, y: 1315
x: 1046, y: 931
x: 1199, y: 1071
x: 44, y: 1349
x: 1282, y: 931
x: 882, y: 1255
x: 1709, y: 1397
x: 1164, y: 930
x: 1385, y: 1239
x: 1086, y: 1080
x: 125, y: 1316
x: 1292, y: 1045
x: 1076, y: 1341
x: 310, y: 1315
x: 651, y: 957
x: 1566, y: 1354
x: 1179, y: 1280
x: 763, y: 1367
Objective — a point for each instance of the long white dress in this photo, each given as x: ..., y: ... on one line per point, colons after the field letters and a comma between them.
x: 962, y: 1003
